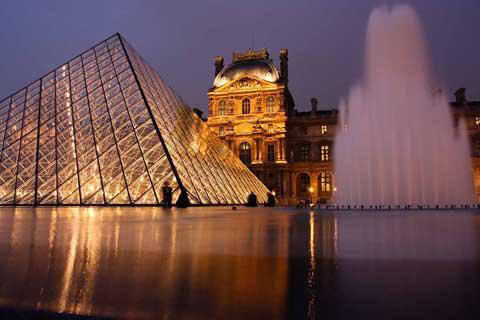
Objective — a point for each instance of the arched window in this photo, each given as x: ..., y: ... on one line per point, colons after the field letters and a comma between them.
x: 246, y: 106
x: 270, y: 103
x: 303, y: 184
x: 222, y: 108
x: 324, y: 183
x: 245, y: 152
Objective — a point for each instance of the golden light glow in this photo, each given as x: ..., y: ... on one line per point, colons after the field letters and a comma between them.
x: 325, y: 182
x: 325, y: 152
x: 313, y: 267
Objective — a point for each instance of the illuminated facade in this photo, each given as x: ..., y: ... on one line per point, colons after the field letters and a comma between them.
x: 105, y: 129
x: 252, y: 110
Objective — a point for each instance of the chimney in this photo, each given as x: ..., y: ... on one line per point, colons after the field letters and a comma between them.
x: 314, y: 103
x: 460, y: 96
x: 284, y: 65
x: 218, y: 64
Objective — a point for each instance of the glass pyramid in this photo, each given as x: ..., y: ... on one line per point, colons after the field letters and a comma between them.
x: 105, y: 129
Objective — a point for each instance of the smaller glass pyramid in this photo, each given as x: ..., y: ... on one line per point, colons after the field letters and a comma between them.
x: 105, y: 129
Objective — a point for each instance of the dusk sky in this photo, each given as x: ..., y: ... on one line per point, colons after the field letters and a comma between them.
x: 180, y: 39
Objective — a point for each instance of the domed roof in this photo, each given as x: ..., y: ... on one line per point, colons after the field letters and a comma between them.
x: 260, y: 68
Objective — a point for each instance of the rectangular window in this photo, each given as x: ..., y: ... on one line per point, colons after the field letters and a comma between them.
x: 270, y: 104
x: 325, y: 182
x: 270, y: 128
x: 271, y: 152
x: 324, y: 129
x: 325, y: 152
x: 303, y: 152
x: 221, y: 131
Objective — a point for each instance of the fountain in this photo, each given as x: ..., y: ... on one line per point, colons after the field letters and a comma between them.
x: 397, y: 143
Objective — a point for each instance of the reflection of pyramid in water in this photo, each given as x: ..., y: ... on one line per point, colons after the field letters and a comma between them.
x: 104, y: 128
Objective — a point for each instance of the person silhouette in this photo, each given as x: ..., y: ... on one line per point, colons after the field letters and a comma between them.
x: 167, y: 195
x: 252, y: 200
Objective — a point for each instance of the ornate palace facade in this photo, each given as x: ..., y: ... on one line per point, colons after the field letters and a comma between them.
x: 253, y: 111
x: 251, y: 108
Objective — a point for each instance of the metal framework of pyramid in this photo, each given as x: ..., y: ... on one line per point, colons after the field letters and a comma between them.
x: 105, y: 129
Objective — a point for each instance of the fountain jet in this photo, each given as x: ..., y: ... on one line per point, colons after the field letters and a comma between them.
x: 397, y: 143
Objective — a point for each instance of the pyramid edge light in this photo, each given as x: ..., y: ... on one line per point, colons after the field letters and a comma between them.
x: 105, y: 129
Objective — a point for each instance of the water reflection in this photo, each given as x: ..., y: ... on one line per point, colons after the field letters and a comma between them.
x: 140, y: 262
x: 204, y: 263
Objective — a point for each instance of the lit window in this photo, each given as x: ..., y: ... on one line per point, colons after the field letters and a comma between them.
x: 270, y: 128
x: 246, y: 106
x: 477, y: 121
x: 222, y: 108
x: 324, y: 129
x: 270, y: 104
x: 245, y: 152
x: 271, y: 152
x: 221, y: 131
x: 325, y: 182
x: 325, y: 152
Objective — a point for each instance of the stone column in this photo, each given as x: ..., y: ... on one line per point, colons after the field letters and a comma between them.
x: 260, y: 150
x: 280, y: 151
x: 277, y: 150
x: 293, y: 187
x: 235, y: 148
x: 257, y: 151
x: 278, y: 182
x: 315, y: 186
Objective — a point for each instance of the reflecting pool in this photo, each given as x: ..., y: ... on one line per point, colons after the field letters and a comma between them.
x: 216, y: 263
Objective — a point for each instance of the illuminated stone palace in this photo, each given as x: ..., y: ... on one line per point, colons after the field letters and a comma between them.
x: 253, y: 111
x: 251, y: 108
